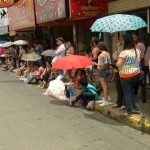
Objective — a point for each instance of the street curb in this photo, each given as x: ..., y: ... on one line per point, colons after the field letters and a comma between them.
x: 135, y: 121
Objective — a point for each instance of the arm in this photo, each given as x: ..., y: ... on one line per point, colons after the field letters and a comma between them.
x: 59, y: 50
x: 72, y: 50
x: 94, y: 54
x: 39, y: 72
x: 101, y: 65
x: 120, y: 62
x: 115, y: 55
x: 121, y: 59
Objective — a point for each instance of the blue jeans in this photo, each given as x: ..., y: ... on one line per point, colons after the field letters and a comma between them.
x: 128, y: 85
x: 104, y: 73
x: 72, y: 91
x: 31, y: 79
x: 60, y: 72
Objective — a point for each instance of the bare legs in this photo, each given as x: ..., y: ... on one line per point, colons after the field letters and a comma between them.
x: 104, y: 85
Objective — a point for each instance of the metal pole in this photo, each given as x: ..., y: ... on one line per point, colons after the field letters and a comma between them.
x: 148, y: 20
x: 75, y: 37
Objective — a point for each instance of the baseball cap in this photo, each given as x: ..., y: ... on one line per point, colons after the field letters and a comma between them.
x: 60, y: 39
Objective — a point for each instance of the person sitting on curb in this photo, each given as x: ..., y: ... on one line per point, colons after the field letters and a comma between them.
x: 36, y: 74
x: 27, y: 70
x: 45, y: 76
x: 21, y: 69
x: 73, y: 87
x: 88, y: 93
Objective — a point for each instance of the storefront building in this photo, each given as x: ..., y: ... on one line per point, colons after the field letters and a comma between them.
x: 135, y: 7
x: 85, y: 12
x: 3, y: 23
x: 51, y: 20
x: 70, y: 19
x: 22, y: 19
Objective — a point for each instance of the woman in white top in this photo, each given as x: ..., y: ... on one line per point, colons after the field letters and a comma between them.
x: 129, y: 70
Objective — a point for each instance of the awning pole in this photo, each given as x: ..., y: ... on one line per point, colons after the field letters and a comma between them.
x: 148, y: 20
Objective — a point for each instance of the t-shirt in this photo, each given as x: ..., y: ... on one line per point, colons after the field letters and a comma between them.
x: 90, y: 88
x: 60, y: 52
x: 131, y: 65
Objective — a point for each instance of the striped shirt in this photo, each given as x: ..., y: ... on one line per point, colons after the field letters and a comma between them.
x: 131, y: 65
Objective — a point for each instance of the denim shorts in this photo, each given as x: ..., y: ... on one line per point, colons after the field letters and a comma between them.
x: 104, y: 73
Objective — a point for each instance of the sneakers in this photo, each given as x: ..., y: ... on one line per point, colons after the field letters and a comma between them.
x: 101, y: 101
x: 104, y: 103
x: 25, y: 80
x: 21, y: 78
x: 109, y: 98
x: 45, y: 93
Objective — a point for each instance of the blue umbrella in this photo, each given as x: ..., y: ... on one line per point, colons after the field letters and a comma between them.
x: 2, y: 41
x: 118, y: 22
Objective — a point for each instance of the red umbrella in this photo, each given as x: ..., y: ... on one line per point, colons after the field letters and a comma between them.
x: 72, y: 62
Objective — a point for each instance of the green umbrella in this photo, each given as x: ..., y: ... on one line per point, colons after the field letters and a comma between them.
x: 31, y: 57
x: 118, y: 22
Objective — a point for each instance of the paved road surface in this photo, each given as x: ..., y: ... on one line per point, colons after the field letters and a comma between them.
x: 32, y: 121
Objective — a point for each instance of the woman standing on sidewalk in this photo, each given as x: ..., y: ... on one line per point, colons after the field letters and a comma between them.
x: 104, y: 62
x: 120, y: 96
x: 129, y: 70
x: 95, y: 72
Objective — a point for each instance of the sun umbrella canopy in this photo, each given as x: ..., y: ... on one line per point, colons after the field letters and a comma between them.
x: 72, y: 62
x: 31, y: 57
x: 118, y: 22
x: 7, y: 44
x: 21, y: 42
x: 49, y: 52
x: 5, y: 55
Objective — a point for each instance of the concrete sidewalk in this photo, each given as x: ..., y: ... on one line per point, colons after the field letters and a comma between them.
x: 140, y: 122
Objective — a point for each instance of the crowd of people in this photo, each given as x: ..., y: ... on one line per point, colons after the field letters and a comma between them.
x: 82, y: 87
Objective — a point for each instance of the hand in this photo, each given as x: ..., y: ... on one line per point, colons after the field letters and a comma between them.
x: 94, y: 63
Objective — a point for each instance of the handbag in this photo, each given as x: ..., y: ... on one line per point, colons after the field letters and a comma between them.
x: 113, y: 64
x: 142, y: 61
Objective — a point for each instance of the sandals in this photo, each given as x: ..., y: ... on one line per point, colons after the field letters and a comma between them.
x: 122, y: 107
x: 136, y: 112
x: 126, y: 114
x: 115, y: 106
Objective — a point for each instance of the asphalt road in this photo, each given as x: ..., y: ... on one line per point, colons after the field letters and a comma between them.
x: 32, y: 121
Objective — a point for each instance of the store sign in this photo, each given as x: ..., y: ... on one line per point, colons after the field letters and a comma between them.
x: 3, y: 17
x: 7, y: 3
x: 88, y: 8
x: 21, y: 15
x: 3, y: 30
x: 49, y: 10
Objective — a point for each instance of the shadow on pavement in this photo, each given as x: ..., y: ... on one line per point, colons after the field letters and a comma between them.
x: 96, y: 116
x: 58, y: 102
